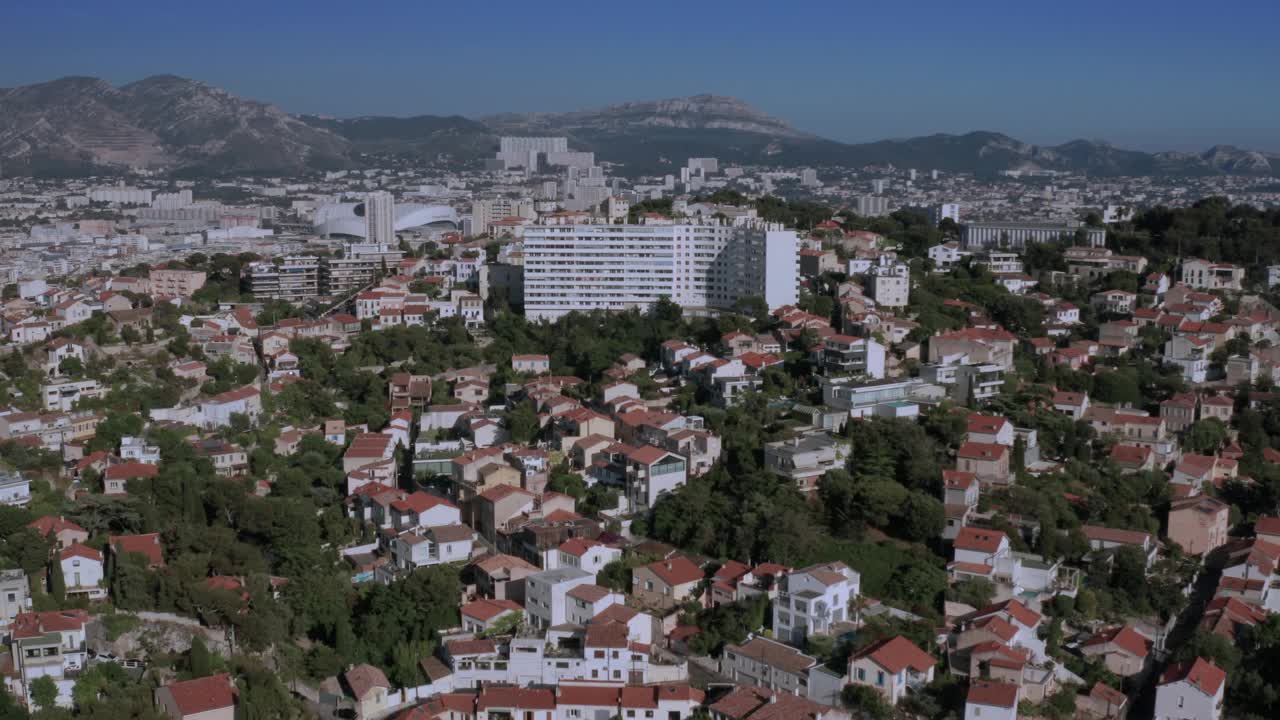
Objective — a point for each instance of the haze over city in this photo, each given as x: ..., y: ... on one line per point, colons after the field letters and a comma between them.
x: 1147, y: 75
x: 581, y: 361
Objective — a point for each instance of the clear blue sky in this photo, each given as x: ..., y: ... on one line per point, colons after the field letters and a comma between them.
x: 1149, y: 75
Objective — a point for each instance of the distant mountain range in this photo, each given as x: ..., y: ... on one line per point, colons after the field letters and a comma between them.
x: 82, y: 125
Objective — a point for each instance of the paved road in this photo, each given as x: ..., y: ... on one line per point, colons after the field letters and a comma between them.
x: 1201, y: 593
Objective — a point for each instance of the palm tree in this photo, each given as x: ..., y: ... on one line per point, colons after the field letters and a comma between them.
x: 857, y: 605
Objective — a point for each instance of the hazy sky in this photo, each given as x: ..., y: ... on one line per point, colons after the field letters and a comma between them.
x: 1167, y: 75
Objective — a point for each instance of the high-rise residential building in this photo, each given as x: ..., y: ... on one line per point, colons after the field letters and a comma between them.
x: 485, y: 212
x: 176, y: 283
x: 939, y: 212
x: 1019, y: 234
x: 121, y: 195
x: 619, y: 267
x: 944, y: 211
x: 514, y: 152
x: 705, y: 165
x: 878, y: 186
x: 294, y: 278
x: 380, y: 218
x: 172, y: 201
x: 359, y: 266
x: 511, y: 144
x: 871, y: 205
x: 890, y: 285
x: 809, y: 177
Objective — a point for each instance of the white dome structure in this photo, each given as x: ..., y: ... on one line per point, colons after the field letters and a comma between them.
x: 348, y: 218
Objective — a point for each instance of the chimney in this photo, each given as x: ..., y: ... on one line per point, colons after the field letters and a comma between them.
x: 668, y: 564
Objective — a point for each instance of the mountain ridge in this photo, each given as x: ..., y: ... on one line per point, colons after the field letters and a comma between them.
x: 84, y: 125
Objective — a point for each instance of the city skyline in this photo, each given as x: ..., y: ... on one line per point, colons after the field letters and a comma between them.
x: 1137, y: 76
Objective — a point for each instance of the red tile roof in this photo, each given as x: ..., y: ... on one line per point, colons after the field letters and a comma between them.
x: 678, y: 570
x: 897, y: 653
x: 54, y: 524
x: 979, y: 539
x: 203, y: 694
x: 364, y: 678
x: 1125, y: 638
x: 994, y: 694
x: 35, y: 624
x: 516, y: 698
x: 485, y: 609
x: 78, y: 550
x: 1201, y: 674
x: 986, y: 424
x: 982, y: 451
x: 148, y: 545
x: 130, y: 470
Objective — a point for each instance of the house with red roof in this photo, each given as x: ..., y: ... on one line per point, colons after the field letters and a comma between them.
x: 989, y: 429
x: 49, y: 644
x: 584, y: 554
x: 1123, y: 650
x: 368, y: 448
x: 1191, y: 690
x: 1198, y: 524
x: 584, y: 602
x: 1102, y: 702
x: 83, y: 572
x: 1267, y: 527
x: 60, y: 530
x: 666, y: 583
x: 1230, y: 616
x: 983, y: 346
x: 1104, y: 539
x: 369, y: 688
x: 812, y: 600
x: 750, y: 702
x: 959, y: 499
x: 479, y: 616
x: 770, y: 664
x: 1073, y: 404
x: 983, y: 553
x: 115, y: 479
x: 1251, y: 572
x: 147, y: 546
x: 1133, y: 458
x: 217, y: 411
x: 989, y: 462
x: 206, y: 698
x: 891, y: 667
x: 423, y: 510
x: 644, y: 472
x: 991, y: 700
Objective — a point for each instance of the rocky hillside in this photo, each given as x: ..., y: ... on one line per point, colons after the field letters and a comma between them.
x: 80, y: 125
x: 699, y: 112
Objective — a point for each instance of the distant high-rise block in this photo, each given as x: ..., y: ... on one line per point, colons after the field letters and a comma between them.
x: 380, y: 218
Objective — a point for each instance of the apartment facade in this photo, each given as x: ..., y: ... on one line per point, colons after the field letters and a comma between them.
x: 295, y: 278
x: 1020, y: 234
x: 178, y: 283
x: 620, y: 267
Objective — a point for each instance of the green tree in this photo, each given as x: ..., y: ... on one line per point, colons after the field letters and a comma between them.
x: 1206, y: 436
x: 199, y: 660
x: 57, y: 584
x: 344, y: 640
x: 867, y: 700
x: 44, y: 692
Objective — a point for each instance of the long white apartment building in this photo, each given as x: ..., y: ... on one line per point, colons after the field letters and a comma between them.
x: 619, y: 267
